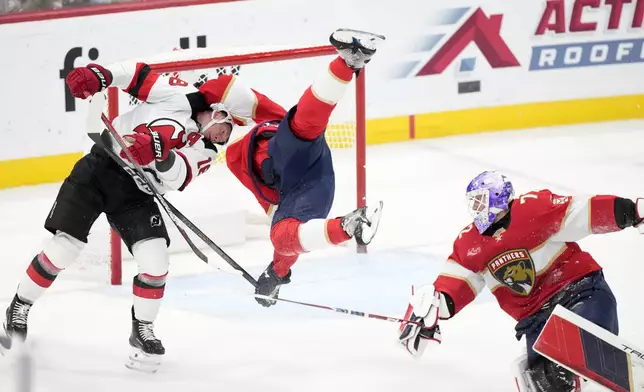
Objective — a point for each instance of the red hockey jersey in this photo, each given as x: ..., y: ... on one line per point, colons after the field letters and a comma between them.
x: 535, y: 257
x: 246, y: 106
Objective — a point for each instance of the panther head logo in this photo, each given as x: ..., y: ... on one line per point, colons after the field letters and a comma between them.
x: 515, y: 270
x: 519, y: 275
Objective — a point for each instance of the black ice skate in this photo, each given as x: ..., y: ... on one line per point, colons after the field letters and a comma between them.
x: 15, y: 324
x: 362, y: 224
x: 147, y: 350
x: 355, y: 47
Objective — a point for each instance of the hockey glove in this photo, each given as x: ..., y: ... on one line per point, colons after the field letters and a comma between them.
x: 425, y: 307
x: 84, y: 82
x: 269, y: 284
x: 146, y: 147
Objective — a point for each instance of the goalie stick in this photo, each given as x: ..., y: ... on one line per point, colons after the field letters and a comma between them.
x: 341, y: 310
x: 97, y: 133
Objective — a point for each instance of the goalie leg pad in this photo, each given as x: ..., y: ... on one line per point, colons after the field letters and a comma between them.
x: 590, y: 298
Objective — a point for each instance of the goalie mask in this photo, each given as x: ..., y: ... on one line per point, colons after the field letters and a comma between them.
x: 219, y: 115
x: 488, y: 194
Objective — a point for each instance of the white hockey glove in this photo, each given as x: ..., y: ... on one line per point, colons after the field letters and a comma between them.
x: 426, y: 307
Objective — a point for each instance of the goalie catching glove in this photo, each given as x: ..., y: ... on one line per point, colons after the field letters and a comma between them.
x: 426, y: 307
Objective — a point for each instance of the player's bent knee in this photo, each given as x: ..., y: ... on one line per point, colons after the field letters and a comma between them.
x: 152, y: 257
x: 285, y: 237
x: 63, y: 250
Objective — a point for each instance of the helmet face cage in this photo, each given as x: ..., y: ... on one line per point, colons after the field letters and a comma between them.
x: 228, y: 119
x: 489, y: 194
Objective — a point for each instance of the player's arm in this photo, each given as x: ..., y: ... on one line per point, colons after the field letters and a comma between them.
x: 138, y: 80
x: 455, y: 287
x: 244, y: 103
x: 237, y: 163
x: 597, y: 214
x: 183, y: 165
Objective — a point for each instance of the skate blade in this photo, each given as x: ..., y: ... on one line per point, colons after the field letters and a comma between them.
x: 366, y: 39
x: 143, y: 362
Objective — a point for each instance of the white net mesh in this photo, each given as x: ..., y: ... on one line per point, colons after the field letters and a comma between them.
x: 232, y: 215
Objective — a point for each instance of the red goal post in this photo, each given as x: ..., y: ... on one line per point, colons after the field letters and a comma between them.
x: 178, y: 65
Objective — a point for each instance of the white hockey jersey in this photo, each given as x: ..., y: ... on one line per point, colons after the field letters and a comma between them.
x: 168, y: 107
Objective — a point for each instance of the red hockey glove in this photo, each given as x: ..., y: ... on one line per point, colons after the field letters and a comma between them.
x: 146, y: 147
x: 86, y: 81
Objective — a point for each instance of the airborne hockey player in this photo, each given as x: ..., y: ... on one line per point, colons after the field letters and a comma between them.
x: 524, y: 249
x: 171, y: 136
x: 286, y: 162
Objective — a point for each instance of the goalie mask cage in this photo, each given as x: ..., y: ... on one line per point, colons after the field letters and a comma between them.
x: 281, y: 74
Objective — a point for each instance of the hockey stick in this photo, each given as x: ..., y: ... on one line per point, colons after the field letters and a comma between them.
x: 140, y: 177
x: 97, y: 138
x: 341, y: 310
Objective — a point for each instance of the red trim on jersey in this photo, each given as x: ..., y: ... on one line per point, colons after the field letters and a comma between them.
x: 285, y: 236
x: 602, y: 214
x: 188, y: 171
x: 459, y: 290
x: 341, y: 70
x: 149, y: 81
x: 335, y: 232
x: 135, y: 78
x: 214, y: 89
x: 266, y: 109
x: 150, y: 293
x: 37, y: 278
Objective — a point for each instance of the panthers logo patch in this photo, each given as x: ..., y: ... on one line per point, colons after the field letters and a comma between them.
x: 515, y: 270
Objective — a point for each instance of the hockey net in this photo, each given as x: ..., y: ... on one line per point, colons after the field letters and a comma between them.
x: 215, y: 201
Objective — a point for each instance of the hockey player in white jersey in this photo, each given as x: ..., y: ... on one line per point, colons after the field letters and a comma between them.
x: 172, y: 135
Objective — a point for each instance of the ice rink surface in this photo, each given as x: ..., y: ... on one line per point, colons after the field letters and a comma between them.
x: 219, y: 339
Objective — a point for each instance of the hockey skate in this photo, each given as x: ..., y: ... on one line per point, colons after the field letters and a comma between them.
x: 355, y: 47
x: 146, y: 350
x: 15, y: 324
x: 362, y: 224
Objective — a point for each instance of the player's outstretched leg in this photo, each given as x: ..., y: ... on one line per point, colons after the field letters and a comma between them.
x: 148, y: 288
x: 318, y: 101
x: 292, y: 237
x: 59, y: 253
x: 355, y: 47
